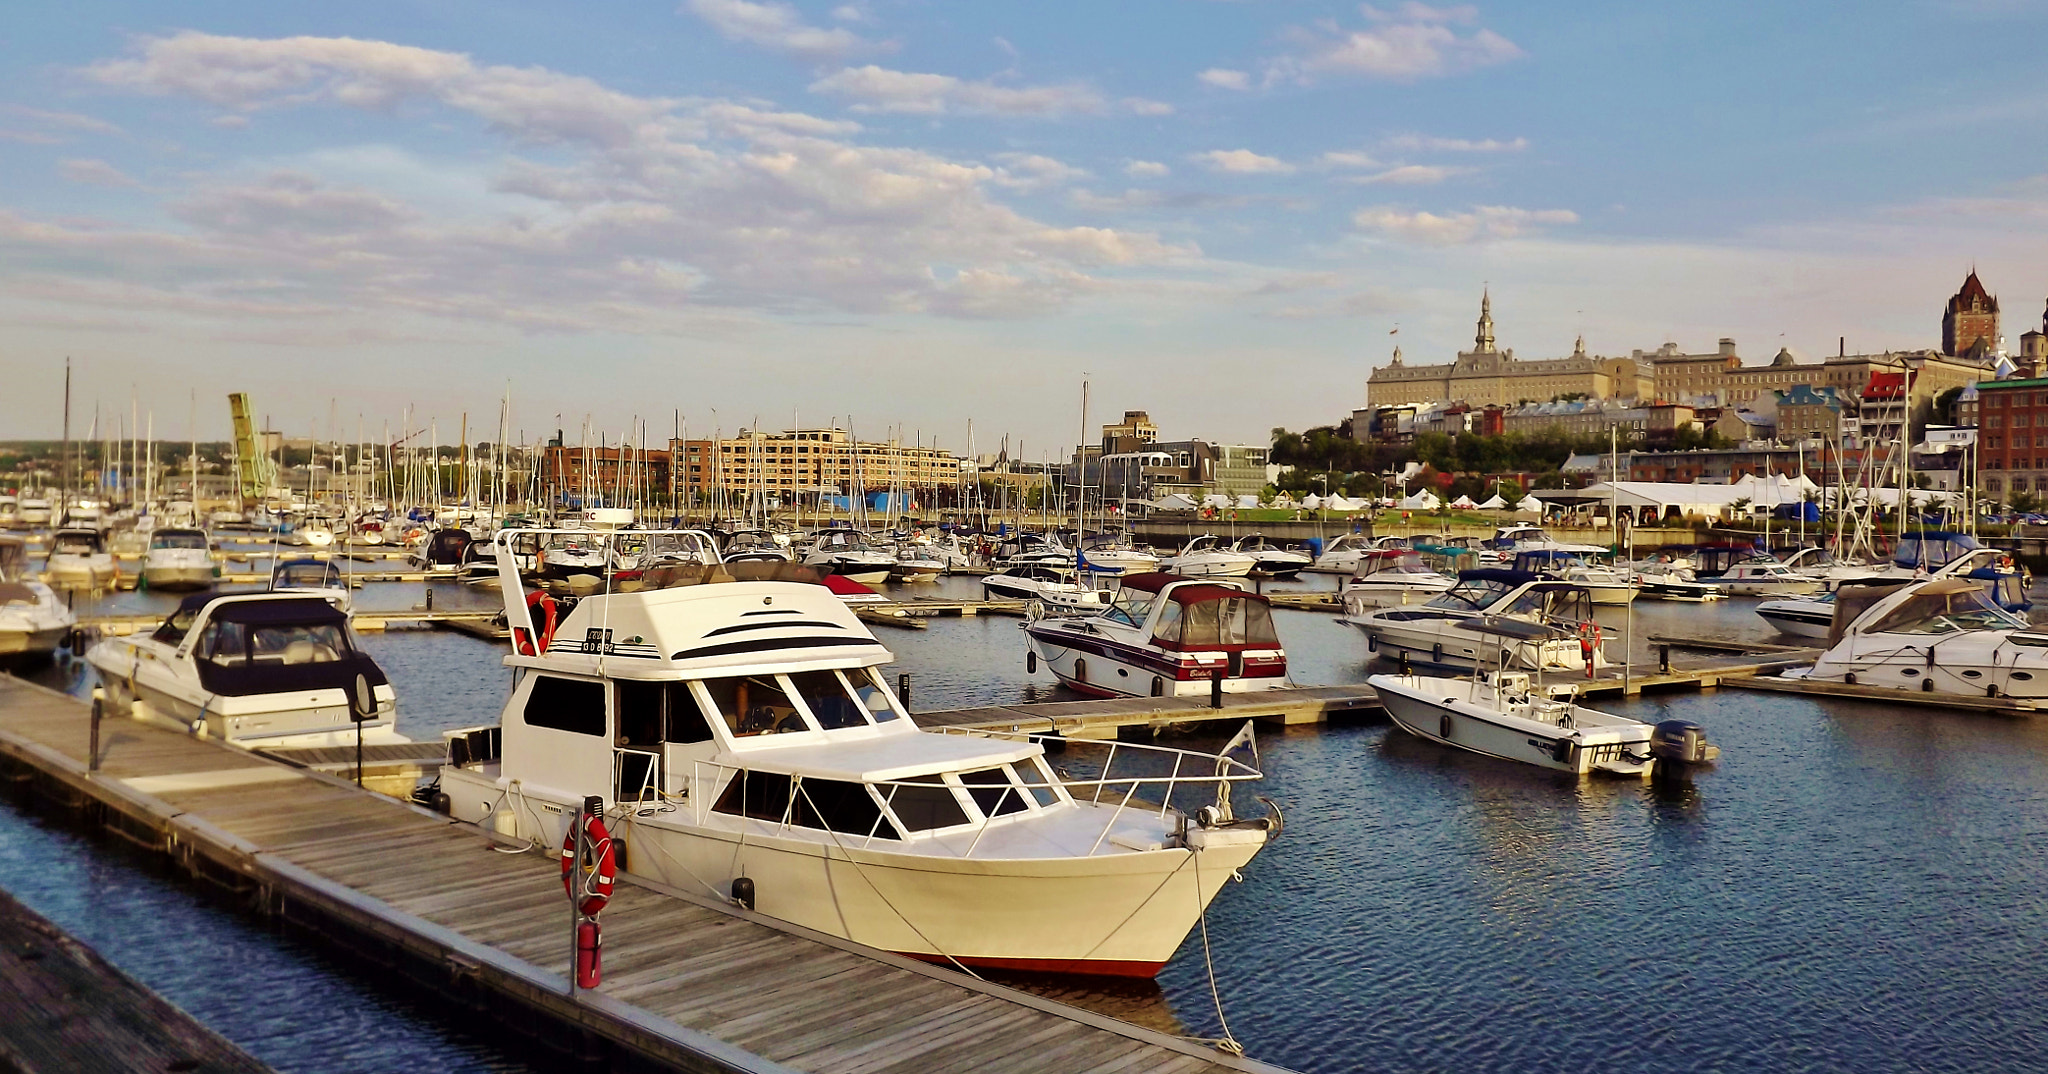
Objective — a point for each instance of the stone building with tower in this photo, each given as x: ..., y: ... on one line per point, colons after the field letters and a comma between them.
x: 1969, y: 323
x: 1489, y: 376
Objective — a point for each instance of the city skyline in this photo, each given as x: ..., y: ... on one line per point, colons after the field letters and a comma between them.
x: 920, y: 216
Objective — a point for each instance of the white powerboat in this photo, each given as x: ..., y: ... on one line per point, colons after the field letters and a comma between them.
x: 34, y: 512
x: 1057, y: 589
x: 1801, y: 617
x: 1428, y: 633
x: 757, y: 546
x: 849, y: 554
x: 917, y: 563
x: 253, y: 670
x: 178, y: 559
x: 1033, y: 550
x: 444, y: 552
x: 1341, y: 555
x: 1942, y: 636
x: 1106, y: 554
x: 312, y: 578
x: 1163, y: 636
x: 1271, y: 558
x: 1502, y: 714
x: 79, y: 560
x: 741, y: 739
x: 1741, y: 570
x: 1390, y: 578
x: 1580, y: 565
x: 1665, y: 579
x: 1208, y: 556
x: 33, y: 620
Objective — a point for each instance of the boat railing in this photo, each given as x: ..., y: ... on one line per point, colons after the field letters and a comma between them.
x: 1213, y: 773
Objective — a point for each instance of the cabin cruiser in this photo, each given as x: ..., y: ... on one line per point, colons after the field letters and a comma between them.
x: 312, y: 578
x: 445, y: 551
x: 87, y: 513
x: 849, y: 553
x: 1813, y: 615
x: 1056, y: 588
x: 1271, y: 557
x: 1033, y: 550
x: 1577, y: 563
x: 1503, y: 714
x: 1666, y: 579
x: 740, y: 736
x: 251, y: 669
x: 1942, y: 635
x: 178, y: 559
x: 1208, y: 556
x: 34, y: 511
x: 756, y: 546
x: 1107, y: 554
x: 1164, y: 635
x: 1506, y: 540
x: 917, y: 563
x: 1390, y: 577
x: 79, y: 560
x: 1801, y: 617
x: 1341, y: 555
x: 1743, y: 571
x: 33, y: 620
x: 1428, y: 634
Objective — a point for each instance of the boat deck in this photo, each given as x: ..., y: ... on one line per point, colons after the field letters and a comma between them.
x: 691, y: 982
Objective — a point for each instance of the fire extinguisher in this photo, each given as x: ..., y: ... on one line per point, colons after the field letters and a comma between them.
x: 589, y: 955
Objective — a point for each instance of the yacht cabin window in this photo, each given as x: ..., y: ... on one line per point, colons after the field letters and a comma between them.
x: 825, y: 694
x: 991, y: 790
x: 755, y: 705
x: 923, y: 803
x: 1946, y: 613
x: 824, y: 804
x: 176, y: 626
x: 1131, y: 606
x: 873, y: 695
x: 574, y: 705
x: 1029, y: 773
x: 651, y: 713
x: 297, y: 643
x: 178, y: 539
x: 223, y: 643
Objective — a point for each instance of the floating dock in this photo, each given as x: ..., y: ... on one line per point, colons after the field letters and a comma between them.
x: 2000, y: 705
x: 1102, y: 719
x: 64, y: 1008
x: 692, y: 982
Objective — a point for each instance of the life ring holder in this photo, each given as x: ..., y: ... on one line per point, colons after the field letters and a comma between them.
x: 590, y: 881
x: 547, y: 604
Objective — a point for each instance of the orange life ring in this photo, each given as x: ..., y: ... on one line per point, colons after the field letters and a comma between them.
x: 547, y: 630
x: 600, y: 866
x: 1589, y: 643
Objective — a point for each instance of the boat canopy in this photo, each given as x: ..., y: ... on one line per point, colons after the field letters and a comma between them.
x: 449, y: 547
x: 13, y: 559
x: 275, y: 645
x: 1151, y: 581
x: 1211, y: 617
x: 1928, y: 549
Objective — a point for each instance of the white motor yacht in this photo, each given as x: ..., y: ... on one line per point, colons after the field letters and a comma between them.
x: 1428, y: 633
x: 1801, y: 617
x: 33, y: 619
x: 742, y: 740
x: 1271, y: 558
x: 445, y: 551
x: 79, y: 560
x: 917, y: 563
x: 1666, y: 579
x: 1390, y: 578
x: 1502, y: 714
x: 1764, y: 577
x: 1943, y: 636
x: 1208, y: 556
x: 1057, y: 589
x: 1579, y: 564
x: 34, y: 512
x: 1342, y: 555
x: 757, y: 546
x: 849, y: 554
x: 312, y: 578
x: 178, y: 559
x: 1164, y: 636
x: 1033, y: 550
x: 1107, y: 554
x: 253, y: 670
x: 10, y: 510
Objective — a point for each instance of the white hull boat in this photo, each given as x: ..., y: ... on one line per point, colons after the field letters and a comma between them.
x: 1429, y: 634
x: 1342, y: 555
x: 1800, y: 617
x: 741, y: 739
x: 1508, y: 722
x: 178, y: 559
x: 252, y: 670
x: 33, y: 619
x: 1208, y: 556
x: 1163, y: 636
x: 1391, y: 578
x: 79, y: 560
x: 1941, y: 636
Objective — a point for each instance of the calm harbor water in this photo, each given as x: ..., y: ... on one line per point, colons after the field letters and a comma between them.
x: 1852, y: 888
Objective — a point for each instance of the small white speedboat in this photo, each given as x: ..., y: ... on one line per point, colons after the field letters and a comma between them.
x: 253, y: 670
x: 1428, y: 633
x: 1057, y: 589
x: 1342, y: 555
x: 1580, y: 565
x: 178, y: 559
x: 1208, y: 556
x: 1800, y: 617
x: 1502, y: 714
x: 1271, y: 557
x: 849, y: 554
x: 79, y: 560
x: 1390, y: 578
x: 33, y: 619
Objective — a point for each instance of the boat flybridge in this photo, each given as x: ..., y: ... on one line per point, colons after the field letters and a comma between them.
x: 734, y: 720
x: 253, y: 670
x: 1503, y: 714
x: 1163, y: 636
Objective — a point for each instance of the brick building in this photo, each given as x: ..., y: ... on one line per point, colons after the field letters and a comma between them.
x: 1969, y: 322
x: 2012, y: 437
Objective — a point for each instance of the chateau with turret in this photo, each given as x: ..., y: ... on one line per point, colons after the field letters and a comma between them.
x: 1489, y: 376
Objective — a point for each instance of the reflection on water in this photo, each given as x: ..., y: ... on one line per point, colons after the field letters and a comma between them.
x: 1852, y: 888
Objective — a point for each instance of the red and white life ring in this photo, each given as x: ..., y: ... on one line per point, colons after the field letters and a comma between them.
x: 1589, y: 643
x: 590, y: 881
x: 520, y: 641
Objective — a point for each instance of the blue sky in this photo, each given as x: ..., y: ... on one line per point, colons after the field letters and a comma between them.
x: 911, y: 214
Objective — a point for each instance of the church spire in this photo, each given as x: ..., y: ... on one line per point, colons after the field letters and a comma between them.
x: 1483, y: 342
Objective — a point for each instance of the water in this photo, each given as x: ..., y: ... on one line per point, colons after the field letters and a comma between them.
x: 1850, y: 889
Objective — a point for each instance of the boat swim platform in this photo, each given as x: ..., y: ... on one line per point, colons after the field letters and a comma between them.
x: 692, y: 982
x: 63, y: 1007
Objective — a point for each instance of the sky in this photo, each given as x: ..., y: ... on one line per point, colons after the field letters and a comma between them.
x: 908, y: 216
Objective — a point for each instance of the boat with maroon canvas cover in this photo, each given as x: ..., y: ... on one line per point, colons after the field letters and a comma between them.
x: 1164, y: 636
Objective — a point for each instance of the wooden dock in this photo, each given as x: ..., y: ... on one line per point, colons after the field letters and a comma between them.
x: 1101, y: 719
x: 64, y: 1008
x: 691, y: 982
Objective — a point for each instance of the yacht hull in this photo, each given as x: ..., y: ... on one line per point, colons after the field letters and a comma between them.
x: 140, y: 680
x: 1100, y: 667
x: 31, y: 641
x: 1798, y: 618
x: 177, y: 577
x: 1120, y: 912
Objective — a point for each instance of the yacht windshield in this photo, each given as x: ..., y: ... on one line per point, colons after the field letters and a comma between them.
x: 1947, y: 613
x: 177, y: 539
x: 1475, y: 594
x: 1131, y: 607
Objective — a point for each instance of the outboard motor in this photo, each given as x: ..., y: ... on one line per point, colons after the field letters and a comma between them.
x: 1682, y: 742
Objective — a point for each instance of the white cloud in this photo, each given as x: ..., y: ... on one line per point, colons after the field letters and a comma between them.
x: 879, y: 89
x: 636, y: 214
x: 779, y: 26
x: 1430, y: 144
x: 1348, y: 159
x: 69, y: 121
x: 1482, y: 223
x: 1147, y: 169
x: 1224, y: 78
x: 95, y: 173
x: 1242, y: 162
x: 1410, y: 43
x: 1412, y: 175
x: 1139, y: 106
